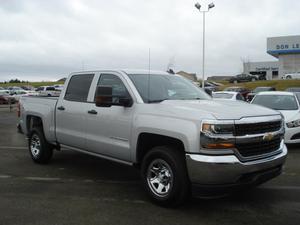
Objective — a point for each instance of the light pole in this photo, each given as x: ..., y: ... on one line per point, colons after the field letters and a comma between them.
x: 198, y: 6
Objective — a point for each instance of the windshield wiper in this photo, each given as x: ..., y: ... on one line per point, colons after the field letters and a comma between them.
x: 157, y: 100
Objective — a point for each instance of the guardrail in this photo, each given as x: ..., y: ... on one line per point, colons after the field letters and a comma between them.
x: 9, y: 107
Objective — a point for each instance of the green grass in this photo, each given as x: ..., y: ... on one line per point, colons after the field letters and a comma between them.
x: 280, y: 85
x: 34, y: 84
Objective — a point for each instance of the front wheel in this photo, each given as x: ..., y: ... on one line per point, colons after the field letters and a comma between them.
x: 165, y: 176
x: 40, y: 150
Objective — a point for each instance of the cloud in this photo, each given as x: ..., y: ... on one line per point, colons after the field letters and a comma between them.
x: 49, y: 39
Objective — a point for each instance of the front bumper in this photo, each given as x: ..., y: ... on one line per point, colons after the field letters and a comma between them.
x: 229, y: 170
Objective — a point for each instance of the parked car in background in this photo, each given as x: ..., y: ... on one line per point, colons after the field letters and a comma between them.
x: 13, y: 90
x: 288, y: 104
x: 20, y: 94
x: 6, y: 98
x: 215, y: 83
x: 243, y: 78
x: 257, y: 90
x: 293, y: 89
x: 4, y: 91
x: 47, y: 91
x: 209, y: 86
x: 243, y: 91
x: 230, y: 95
x: 291, y: 76
x: 59, y: 87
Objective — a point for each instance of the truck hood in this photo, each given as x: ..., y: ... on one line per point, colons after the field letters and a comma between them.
x: 220, y: 109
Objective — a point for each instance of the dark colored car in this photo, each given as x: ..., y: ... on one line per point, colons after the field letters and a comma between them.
x: 293, y: 89
x: 209, y: 86
x: 243, y: 78
x: 243, y: 91
x: 6, y: 99
x: 257, y: 90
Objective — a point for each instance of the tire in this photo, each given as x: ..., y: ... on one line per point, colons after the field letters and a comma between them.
x: 165, y: 177
x: 39, y: 149
x: 288, y: 77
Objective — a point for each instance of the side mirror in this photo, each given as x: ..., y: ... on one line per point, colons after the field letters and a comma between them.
x: 105, y: 98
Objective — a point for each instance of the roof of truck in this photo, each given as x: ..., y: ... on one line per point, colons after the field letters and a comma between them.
x: 127, y: 71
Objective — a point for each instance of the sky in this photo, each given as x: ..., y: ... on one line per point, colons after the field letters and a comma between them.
x: 47, y: 40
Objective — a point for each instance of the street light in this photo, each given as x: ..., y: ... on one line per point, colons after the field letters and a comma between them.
x: 198, y: 6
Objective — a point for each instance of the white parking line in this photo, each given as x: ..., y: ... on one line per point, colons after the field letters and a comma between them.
x: 3, y: 176
x: 43, y: 178
x: 282, y: 187
x: 13, y: 147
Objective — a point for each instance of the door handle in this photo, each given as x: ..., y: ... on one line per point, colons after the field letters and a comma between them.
x: 61, y: 108
x: 92, y: 111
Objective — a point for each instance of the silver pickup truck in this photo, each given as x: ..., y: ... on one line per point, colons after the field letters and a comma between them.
x: 164, y: 125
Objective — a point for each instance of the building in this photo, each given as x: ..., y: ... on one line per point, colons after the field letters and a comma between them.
x: 190, y: 76
x: 287, y: 51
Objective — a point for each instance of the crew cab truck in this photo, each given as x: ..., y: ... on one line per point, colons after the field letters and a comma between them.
x: 161, y: 123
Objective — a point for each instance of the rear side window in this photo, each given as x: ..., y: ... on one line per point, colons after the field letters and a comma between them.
x: 78, y: 88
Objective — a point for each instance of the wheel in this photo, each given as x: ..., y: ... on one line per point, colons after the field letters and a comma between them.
x: 253, y: 79
x: 40, y: 150
x: 164, y: 176
x: 288, y: 77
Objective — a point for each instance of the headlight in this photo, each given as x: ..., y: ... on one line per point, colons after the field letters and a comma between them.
x: 295, y: 123
x: 209, y: 128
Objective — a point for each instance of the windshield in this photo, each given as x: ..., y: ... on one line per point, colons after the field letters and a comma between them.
x: 222, y: 95
x: 278, y: 102
x: 157, y: 88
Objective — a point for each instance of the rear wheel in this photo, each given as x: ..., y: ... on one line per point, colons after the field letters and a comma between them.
x: 288, y: 77
x: 165, y: 176
x: 40, y: 150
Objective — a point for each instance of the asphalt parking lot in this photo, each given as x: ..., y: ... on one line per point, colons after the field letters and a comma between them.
x: 80, y: 189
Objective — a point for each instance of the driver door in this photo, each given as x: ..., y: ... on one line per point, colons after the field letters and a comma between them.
x: 109, y: 128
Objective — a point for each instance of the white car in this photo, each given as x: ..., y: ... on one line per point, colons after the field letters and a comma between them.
x: 288, y: 104
x: 289, y: 76
x: 19, y: 94
x: 229, y: 95
x: 48, y: 91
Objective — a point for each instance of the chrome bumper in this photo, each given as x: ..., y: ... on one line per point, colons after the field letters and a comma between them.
x: 228, y: 169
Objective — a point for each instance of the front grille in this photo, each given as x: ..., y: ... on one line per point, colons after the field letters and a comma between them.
x: 258, y: 148
x: 257, y: 128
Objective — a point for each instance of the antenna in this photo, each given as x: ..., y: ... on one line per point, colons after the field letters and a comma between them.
x: 149, y: 66
x: 82, y: 65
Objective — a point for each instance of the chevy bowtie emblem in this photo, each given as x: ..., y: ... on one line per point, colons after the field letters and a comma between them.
x: 268, y: 137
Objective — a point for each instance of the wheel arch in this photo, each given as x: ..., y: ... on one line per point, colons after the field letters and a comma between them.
x: 146, y: 141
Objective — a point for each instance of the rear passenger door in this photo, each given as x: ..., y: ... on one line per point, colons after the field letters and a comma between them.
x: 72, y: 110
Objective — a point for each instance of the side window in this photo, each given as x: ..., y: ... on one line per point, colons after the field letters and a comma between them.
x: 239, y: 97
x: 78, y: 88
x: 118, y: 87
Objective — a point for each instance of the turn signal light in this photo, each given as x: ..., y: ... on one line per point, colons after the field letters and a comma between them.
x: 219, y: 145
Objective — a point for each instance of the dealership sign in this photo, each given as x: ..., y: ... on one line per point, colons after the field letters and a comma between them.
x: 287, y: 46
x: 266, y: 68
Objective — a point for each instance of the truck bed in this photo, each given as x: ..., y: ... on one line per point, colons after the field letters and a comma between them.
x: 43, y: 107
